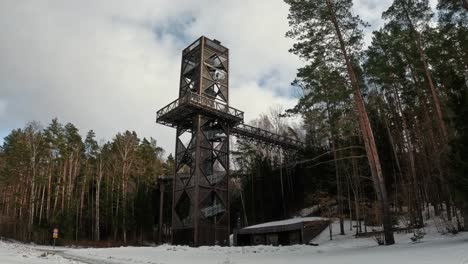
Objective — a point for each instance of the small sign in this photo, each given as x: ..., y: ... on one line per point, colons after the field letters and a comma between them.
x: 55, y: 234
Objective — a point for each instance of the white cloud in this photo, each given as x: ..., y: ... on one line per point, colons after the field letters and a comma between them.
x: 109, y: 65
x: 257, y: 100
x: 3, y: 106
x: 371, y: 12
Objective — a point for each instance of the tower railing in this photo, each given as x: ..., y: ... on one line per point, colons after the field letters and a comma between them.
x: 200, y: 103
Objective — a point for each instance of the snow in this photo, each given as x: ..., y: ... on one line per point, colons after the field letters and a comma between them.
x: 13, y: 253
x: 309, y: 211
x: 287, y: 222
x: 434, y: 248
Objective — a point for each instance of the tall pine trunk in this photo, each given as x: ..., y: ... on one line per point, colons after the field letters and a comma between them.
x: 337, y: 174
x: 465, y: 217
x: 64, y: 183
x: 338, y: 189
x: 124, y: 205
x: 409, y: 146
x: 33, y: 187
x: 81, y: 205
x: 49, y: 181
x: 98, y: 189
x: 367, y: 134
x: 42, y: 204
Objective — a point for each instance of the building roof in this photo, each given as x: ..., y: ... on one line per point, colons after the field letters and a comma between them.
x: 287, y: 222
x: 280, y: 226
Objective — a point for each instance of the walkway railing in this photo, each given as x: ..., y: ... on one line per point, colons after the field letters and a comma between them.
x: 259, y: 134
x: 203, y: 103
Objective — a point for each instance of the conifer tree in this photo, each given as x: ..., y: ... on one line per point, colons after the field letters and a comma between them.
x: 328, y: 33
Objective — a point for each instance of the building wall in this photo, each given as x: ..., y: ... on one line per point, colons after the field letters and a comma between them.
x: 300, y: 233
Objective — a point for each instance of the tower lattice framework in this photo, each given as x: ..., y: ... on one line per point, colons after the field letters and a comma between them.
x: 204, y: 121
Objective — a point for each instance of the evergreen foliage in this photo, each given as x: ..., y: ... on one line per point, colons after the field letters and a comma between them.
x: 55, y: 178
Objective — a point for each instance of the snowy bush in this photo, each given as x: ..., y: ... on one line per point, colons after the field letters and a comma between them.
x: 445, y: 226
x: 418, y: 235
x: 379, y: 237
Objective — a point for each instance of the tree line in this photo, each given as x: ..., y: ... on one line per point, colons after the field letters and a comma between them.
x: 53, y: 178
x: 401, y: 103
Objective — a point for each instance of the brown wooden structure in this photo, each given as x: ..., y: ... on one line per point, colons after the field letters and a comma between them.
x: 204, y: 121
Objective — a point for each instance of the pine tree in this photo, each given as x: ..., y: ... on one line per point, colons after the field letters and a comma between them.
x: 329, y: 34
x: 415, y: 16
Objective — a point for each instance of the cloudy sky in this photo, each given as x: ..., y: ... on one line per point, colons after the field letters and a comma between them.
x: 109, y: 65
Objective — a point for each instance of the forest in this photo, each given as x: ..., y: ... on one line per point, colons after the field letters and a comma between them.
x: 385, y: 124
x: 53, y: 178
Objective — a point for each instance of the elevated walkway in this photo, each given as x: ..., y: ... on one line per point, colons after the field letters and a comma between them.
x: 184, y: 108
x: 267, y: 137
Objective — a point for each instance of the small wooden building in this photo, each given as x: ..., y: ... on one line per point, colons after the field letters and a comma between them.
x: 287, y: 232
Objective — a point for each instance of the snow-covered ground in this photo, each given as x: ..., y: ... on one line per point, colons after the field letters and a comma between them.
x: 434, y: 248
x: 14, y: 253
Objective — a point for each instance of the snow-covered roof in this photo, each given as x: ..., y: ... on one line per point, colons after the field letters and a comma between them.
x: 287, y: 222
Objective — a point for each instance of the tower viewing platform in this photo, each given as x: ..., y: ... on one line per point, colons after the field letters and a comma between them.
x: 192, y: 104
